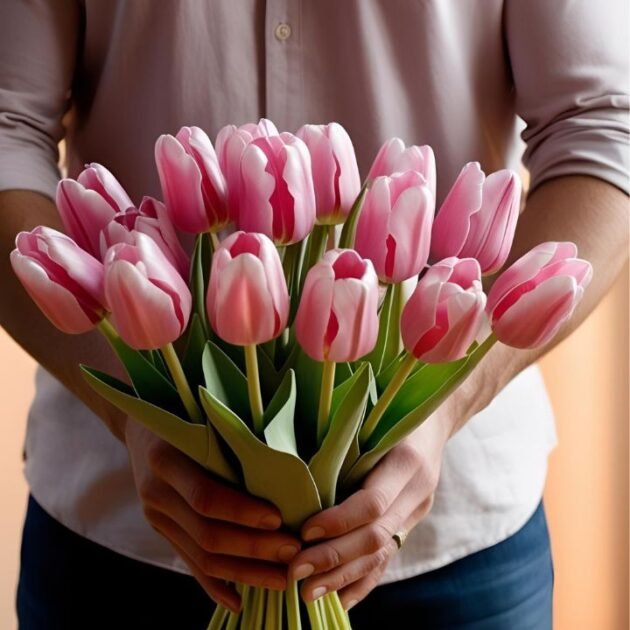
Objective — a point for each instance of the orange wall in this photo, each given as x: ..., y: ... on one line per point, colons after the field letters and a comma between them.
x: 587, y: 492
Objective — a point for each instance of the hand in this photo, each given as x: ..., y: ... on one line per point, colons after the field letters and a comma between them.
x: 221, y: 534
x: 356, y: 536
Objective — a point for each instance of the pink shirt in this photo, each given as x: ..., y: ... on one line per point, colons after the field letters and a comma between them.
x: 455, y: 74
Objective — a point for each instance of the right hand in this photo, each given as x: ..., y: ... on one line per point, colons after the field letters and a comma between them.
x: 221, y: 533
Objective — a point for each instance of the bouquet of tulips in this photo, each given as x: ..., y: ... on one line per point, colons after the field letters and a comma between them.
x: 317, y: 321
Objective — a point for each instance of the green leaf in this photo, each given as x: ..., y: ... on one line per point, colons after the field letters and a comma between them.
x: 271, y: 474
x: 197, y: 441
x: 346, y: 240
x: 269, y: 378
x: 279, y: 416
x: 347, y: 412
x: 200, y: 277
x: 192, y: 359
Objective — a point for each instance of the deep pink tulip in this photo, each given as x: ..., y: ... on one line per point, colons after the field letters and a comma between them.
x: 444, y: 314
x: 394, y: 227
x: 64, y: 280
x: 149, y: 301
x: 88, y: 204
x: 276, y: 195
x: 230, y: 144
x: 337, y: 318
x: 335, y: 170
x: 395, y: 157
x: 247, y: 301
x: 193, y: 185
x: 151, y: 219
x: 531, y: 300
x: 478, y: 218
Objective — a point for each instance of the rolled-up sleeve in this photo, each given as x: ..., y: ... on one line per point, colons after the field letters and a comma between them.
x: 569, y: 61
x: 38, y: 50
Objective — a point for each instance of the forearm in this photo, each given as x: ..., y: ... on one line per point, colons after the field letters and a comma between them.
x: 58, y: 353
x: 594, y: 215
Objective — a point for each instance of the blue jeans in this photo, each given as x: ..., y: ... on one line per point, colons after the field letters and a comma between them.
x: 69, y: 583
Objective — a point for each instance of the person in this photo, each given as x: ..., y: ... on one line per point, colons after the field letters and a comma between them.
x: 118, y: 520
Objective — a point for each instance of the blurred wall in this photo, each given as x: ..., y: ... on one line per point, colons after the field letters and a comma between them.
x: 587, y: 492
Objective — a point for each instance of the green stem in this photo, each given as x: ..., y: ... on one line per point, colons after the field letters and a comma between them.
x: 293, y: 606
x: 218, y: 618
x: 253, y: 388
x: 314, y: 616
x: 340, y: 613
x: 259, y: 600
x: 386, y: 398
x: 273, y: 612
x: 247, y: 608
x: 350, y: 226
x: 183, y: 388
x: 105, y: 326
x: 233, y: 620
x: 214, y: 239
x: 314, y: 250
x: 392, y: 341
x: 325, y: 399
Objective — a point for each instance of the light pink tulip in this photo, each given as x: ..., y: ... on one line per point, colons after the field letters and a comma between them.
x: 149, y: 301
x: 394, y: 227
x: 247, y: 301
x: 64, y: 280
x: 444, y: 314
x: 478, y: 218
x: 337, y: 318
x: 531, y: 300
x: 276, y: 195
x: 335, y: 170
x: 151, y: 219
x: 230, y: 144
x: 88, y: 204
x: 395, y: 157
x: 193, y: 185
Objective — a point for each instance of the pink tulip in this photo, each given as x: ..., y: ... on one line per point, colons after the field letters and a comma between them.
x: 394, y: 227
x: 531, y: 300
x: 444, y: 314
x: 149, y: 300
x: 337, y: 317
x: 335, y: 170
x: 151, y: 219
x: 193, y: 185
x: 64, y: 281
x: 276, y: 195
x: 88, y: 204
x: 247, y: 301
x: 478, y: 218
x: 230, y: 145
x: 394, y: 157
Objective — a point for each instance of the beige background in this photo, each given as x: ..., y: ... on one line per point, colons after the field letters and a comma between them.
x: 587, y: 491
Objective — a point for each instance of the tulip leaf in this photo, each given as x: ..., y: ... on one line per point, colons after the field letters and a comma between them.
x: 269, y: 378
x: 225, y: 381
x: 278, y: 418
x: 197, y: 441
x: 347, y: 411
x: 418, y: 398
x: 346, y: 240
x: 199, y: 278
x: 275, y: 475
x: 193, y: 354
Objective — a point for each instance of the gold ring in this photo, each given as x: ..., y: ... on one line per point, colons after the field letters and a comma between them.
x: 399, y: 538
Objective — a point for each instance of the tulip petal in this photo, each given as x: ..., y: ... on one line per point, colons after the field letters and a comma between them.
x: 255, y: 211
x: 96, y: 177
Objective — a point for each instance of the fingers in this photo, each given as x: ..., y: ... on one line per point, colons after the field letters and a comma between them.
x: 232, y: 569
x: 219, y: 537
x: 207, y: 496
x: 359, y: 590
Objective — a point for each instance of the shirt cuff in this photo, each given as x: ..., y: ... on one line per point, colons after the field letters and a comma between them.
x: 29, y: 168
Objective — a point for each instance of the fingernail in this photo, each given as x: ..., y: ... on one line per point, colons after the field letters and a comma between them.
x: 351, y: 604
x: 271, y: 521
x: 314, y: 532
x: 286, y: 553
x: 303, y: 571
x: 318, y: 592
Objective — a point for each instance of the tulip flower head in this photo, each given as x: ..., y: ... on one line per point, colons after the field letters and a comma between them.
x: 277, y: 197
x: 152, y: 219
x: 444, y: 314
x: 88, y: 204
x: 395, y: 157
x: 193, y: 185
x: 394, y: 227
x: 62, y: 279
x: 337, y: 316
x: 230, y: 145
x: 248, y: 300
x: 533, y: 298
x: 478, y: 218
x: 335, y: 170
x: 149, y: 300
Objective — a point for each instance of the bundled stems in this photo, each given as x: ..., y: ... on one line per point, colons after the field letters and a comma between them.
x: 214, y: 239
x: 253, y: 388
x: 179, y: 378
x: 325, y: 399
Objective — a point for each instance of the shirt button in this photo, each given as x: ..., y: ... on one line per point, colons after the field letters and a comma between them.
x: 283, y: 32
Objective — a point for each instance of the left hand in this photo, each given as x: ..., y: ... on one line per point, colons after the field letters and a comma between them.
x: 356, y: 536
